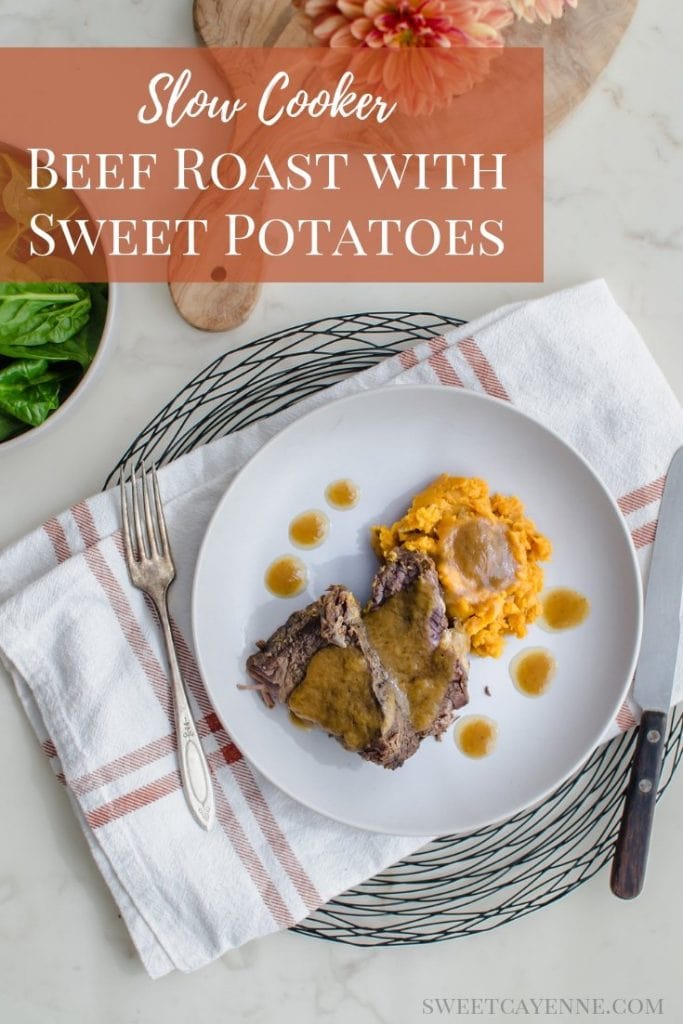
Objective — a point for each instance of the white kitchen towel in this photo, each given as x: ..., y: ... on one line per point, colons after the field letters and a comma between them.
x: 84, y: 649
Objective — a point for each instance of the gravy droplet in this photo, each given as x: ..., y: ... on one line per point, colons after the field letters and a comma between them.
x: 300, y: 723
x: 533, y: 670
x: 309, y: 529
x: 286, y: 576
x: 342, y: 494
x: 476, y: 735
x: 563, y: 609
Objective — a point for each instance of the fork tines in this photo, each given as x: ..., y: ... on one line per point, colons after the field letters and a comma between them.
x: 144, y: 539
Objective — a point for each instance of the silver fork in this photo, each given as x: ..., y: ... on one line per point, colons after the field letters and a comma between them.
x: 151, y: 569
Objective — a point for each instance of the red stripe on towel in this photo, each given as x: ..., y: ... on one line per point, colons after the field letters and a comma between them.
x: 131, y: 628
x: 161, y: 688
x: 407, y: 359
x: 85, y: 523
x: 441, y: 365
x: 134, y: 800
x: 625, y: 719
x: 255, y: 868
x: 227, y: 754
x: 276, y: 837
x: 242, y: 772
x: 60, y: 545
x: 167, y: 784
x: 124, y: 765
x: 483, y: 371
x: 641, y: 496
x: 147, y: 754
x: 251, y: 790
x: 49, y: 749
x: 144, y: 795
x: 644, y: 535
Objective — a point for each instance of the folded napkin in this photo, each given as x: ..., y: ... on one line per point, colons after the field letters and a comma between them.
x: 84, y: 650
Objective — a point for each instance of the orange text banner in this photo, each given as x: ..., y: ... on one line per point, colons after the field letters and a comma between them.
x: 271, y: 165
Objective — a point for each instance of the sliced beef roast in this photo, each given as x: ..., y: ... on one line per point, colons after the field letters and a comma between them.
x: 379, y: 681
x: 321, y: 664
x: 282, y: 661
x: 407, y: 624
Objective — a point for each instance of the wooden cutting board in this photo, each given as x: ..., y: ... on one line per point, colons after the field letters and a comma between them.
x: 577, y: 48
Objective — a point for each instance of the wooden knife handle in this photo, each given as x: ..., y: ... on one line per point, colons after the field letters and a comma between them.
x: 630, y: 853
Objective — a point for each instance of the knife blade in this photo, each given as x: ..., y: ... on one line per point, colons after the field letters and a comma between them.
x: 662, y: 621
x: 653, y: 686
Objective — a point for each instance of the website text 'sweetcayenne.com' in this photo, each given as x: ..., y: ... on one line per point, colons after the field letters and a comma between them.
x: 542, y: 1006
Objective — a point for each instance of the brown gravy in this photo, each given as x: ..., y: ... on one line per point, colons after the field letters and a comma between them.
x: 342, y: 494
x: 533, y: 670
x: 286, y: 576
x: 398, y: 632
x: 336, y: 692
x: 476, y: 557
x: 476, y: 735
x: 309, y: 529
x: 563, y: 609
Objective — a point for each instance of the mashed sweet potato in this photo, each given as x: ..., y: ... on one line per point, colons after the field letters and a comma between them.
x: 486, y: 551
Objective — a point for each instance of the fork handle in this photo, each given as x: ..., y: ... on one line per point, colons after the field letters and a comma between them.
x: 194, y: 770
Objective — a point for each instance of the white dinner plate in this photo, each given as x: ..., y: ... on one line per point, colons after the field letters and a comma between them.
x: 392, y: 443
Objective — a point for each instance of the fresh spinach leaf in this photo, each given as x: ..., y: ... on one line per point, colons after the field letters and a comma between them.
x: 30, y: 390
x: 44, y: 321
x: 49, y: 333
x: 9, y: 427
x: 91, y: 335
x: 75, y: 350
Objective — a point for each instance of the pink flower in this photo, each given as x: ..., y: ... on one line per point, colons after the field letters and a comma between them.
x: 434, y: 49
x: 407, y: 23
x: 541, y: 10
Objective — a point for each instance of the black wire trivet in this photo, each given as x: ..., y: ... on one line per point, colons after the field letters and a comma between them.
x: 457, y: 885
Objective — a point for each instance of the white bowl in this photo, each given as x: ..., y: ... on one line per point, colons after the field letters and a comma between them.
x: 98, y: 361
x: 86, y: 380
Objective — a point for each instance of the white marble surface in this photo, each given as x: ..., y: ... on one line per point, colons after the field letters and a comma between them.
x: 614, y: 174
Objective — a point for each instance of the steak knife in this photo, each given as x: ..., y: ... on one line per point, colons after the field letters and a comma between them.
x: 653, y: 687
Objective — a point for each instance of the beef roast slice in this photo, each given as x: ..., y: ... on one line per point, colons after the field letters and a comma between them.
x: 321, y: 664
x: 407, y: 625
x: 379, y: 682
x: 281, y: 662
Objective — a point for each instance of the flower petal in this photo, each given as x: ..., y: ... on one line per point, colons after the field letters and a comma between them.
x: 324, y: 28
x: 360, y: 27
x: 350, y: 9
